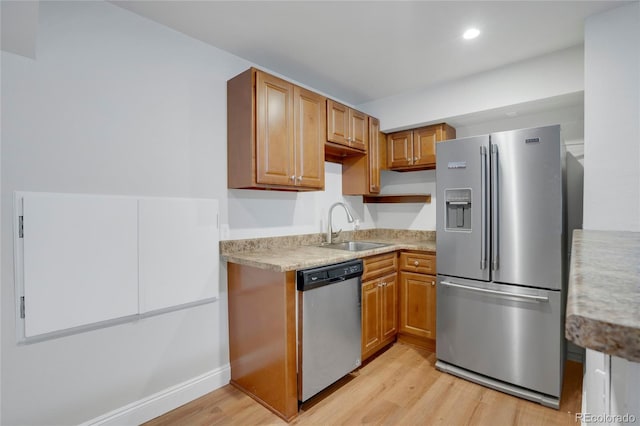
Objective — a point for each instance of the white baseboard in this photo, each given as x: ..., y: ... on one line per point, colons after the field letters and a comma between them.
x: 164, y: 401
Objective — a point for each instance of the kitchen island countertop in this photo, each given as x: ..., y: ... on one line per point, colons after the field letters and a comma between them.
x: 603, y: 302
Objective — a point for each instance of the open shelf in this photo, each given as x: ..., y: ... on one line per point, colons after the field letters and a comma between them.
x: 397, y: 198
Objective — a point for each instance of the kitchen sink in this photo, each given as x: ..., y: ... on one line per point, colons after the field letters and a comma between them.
x: 354, y: 245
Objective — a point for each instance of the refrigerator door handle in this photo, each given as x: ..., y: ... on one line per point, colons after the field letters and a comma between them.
x: 495, y: 214
x: 483, y: 207
x: 528, y: 297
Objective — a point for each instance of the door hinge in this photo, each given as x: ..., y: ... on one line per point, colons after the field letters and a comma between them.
x: 21, y: 227
x: 22, y: 307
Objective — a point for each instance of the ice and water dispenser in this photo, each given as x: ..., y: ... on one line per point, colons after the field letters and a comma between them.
x: 458, y: 209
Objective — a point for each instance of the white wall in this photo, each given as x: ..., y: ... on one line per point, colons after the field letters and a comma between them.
x: 113, y: 104
x: 18, y: 24
x: 612, y: 176
x: 116, y: 104
x: 612, y: 120
x: 253, y: 213
x: 415, y: 216
x: 548, y: 76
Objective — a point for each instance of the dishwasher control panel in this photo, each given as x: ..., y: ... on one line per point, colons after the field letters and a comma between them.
x: 311, y: 278
x: 346, y: 270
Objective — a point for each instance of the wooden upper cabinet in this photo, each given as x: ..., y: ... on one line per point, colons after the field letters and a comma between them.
x: 310, y: 134
x: 361, y: 174
x: 374, y: 156
x: 337, y: 123
x: 275, y: 154
x: 276, y: 133
x: 400, y: 149
x: 359, y: 125
x: 346, y: 126
x: 424, y: 146
x: 416, y: 149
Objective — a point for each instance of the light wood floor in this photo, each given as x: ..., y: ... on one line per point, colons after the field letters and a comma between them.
x: 399, y: 387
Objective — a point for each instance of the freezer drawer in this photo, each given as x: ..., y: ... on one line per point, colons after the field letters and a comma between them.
x: 509, y: 333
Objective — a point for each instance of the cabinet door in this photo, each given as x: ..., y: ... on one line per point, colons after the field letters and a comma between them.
x: 274, y: 131
x: 389, y: 309
x: 400, y: 149
x: 424, y: 145
x: 310, y: 136
x: 418, y: 304
x: 374, y: 155
x: 370, y: 317
x: 337, y: 123
x: 359, y: 130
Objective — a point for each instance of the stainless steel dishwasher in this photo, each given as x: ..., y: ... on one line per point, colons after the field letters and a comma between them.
x: 329, y: 325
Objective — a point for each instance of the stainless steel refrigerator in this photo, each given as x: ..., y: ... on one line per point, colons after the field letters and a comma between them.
x: 501, y: 261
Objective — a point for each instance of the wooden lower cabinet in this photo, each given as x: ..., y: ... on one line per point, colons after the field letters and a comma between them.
x: 417, y: 306
x: 262, y: 336
x: 262, y: 321
x: 379, y: 314
x: 379, y: 303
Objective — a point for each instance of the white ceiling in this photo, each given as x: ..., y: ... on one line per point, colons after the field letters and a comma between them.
x: 365, y: 50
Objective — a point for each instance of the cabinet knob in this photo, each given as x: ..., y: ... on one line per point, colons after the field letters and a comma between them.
x: 416, y: 263
x: 299, y: 179
x: 415, y: 159
x: 293, y: 178
x: 433, y: 283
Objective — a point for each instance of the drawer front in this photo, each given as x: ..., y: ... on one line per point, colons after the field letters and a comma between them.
x: 382, y: 264
x: 421, y: 263
x: 507, y: 336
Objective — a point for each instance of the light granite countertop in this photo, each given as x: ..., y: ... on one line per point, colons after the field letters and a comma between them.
x: 299, y: 252
x: 603, y: 302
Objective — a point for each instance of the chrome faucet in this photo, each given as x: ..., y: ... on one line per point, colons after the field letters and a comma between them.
x: 330, y: 234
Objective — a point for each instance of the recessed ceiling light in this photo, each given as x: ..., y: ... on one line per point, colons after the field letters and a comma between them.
x: 471, y: 33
